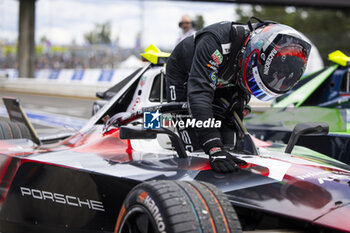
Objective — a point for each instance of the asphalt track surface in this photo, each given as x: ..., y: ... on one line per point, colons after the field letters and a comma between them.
x: 62, y: 108
x: 51, y: 104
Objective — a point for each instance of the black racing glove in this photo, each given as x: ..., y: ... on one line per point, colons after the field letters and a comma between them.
x: 219, y: 159
x: 222, y: 161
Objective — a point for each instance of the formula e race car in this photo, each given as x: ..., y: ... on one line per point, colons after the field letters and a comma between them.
x: 323, y: 96
x: 119, y: 174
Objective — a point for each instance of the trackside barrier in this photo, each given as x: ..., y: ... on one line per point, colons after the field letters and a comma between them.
x: 70, y: 82
x: 88, y: 76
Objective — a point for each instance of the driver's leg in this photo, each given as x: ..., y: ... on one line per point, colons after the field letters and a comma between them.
x: 188, y: 136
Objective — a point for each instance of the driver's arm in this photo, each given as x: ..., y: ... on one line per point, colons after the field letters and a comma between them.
x: 201, y: 87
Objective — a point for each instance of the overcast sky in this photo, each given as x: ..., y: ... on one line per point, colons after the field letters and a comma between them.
x: 63, y: 21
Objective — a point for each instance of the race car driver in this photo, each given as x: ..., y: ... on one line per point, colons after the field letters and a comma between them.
x: 228, y: 61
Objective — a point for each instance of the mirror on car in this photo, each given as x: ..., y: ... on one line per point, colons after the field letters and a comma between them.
x: 137, y: 132
x: 313, y: 129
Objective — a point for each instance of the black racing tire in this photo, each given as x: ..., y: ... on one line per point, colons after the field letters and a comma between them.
x: 13, y: 130
x: 176, y: 207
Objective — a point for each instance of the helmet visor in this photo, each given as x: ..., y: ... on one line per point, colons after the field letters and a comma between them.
x: 284, y: 62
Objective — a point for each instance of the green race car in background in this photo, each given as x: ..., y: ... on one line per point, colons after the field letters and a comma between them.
x: 323, y: 96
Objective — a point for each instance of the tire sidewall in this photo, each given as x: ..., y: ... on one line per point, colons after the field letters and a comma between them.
x: 144, y: 196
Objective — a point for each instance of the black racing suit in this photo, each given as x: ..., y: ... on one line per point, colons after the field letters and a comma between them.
x: 196, y: 71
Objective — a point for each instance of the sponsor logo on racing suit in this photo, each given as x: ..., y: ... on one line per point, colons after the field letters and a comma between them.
x: 217, y: 57
x: 212, y: 77
x: 213, y: 64
x: 226, y: 48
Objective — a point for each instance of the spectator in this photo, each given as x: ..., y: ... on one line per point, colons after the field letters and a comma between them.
x: 186, y: 25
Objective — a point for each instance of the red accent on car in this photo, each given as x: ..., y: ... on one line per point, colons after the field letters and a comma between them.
x: 109, y: 146
x: 260, y: 143
x: 338, y: 218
